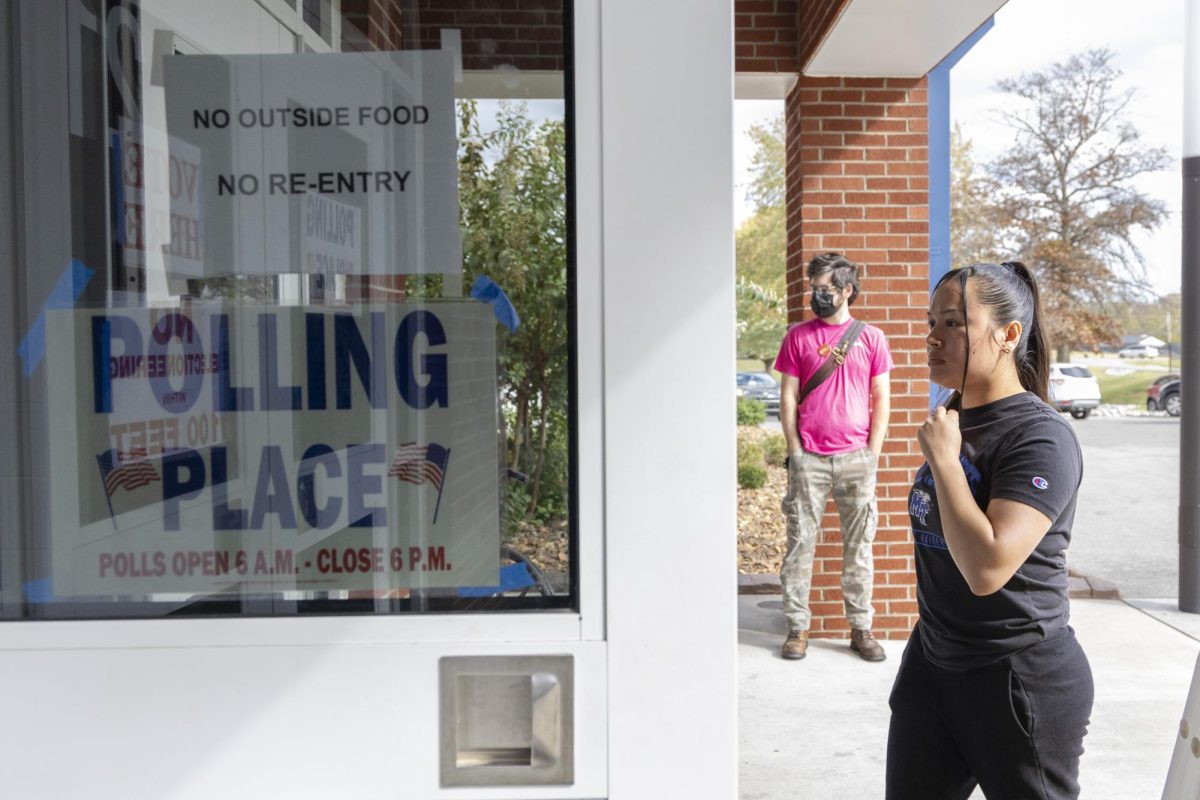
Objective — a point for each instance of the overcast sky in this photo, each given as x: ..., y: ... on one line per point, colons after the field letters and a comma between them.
x: 1147, y: 38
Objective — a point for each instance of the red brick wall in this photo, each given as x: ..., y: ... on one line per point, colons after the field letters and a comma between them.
x: 858, y: 183
x: 526, y: 34
x: 373, y: 24
x: 765, y: 35
x: 781, y: 35
x: 817, y: 18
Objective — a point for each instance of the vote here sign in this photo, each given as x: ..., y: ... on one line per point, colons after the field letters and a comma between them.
x: 259, y: 448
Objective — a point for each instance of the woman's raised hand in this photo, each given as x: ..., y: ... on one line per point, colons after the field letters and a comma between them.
x: 939, y: 436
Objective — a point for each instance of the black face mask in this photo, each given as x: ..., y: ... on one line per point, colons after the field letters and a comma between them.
x: 822, y: 305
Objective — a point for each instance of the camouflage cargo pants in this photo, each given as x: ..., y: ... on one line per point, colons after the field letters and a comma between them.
x: 811, y: 477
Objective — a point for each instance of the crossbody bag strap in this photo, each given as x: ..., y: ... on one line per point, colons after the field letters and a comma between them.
x: 836, y: 357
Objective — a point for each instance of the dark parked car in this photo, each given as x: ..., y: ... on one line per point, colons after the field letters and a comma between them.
x: 761, y: 387
x: 1168, y: 397
x: 1153, y: 390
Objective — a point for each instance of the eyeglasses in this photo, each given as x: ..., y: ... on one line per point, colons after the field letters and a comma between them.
x: 826, y: 291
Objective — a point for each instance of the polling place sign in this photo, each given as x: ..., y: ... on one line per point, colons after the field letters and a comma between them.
x: 337, y: 162
x: 261, y: 448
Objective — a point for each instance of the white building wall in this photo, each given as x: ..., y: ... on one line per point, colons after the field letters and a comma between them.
x: 669, y: 362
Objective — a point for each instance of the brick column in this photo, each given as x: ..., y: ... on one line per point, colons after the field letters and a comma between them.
x: 857, y: 183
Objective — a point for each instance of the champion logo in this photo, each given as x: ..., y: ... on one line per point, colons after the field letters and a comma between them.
x: 1040, y: 483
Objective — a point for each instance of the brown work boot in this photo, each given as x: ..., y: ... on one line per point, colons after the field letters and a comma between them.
x: 863, y: 642
x: 795, y: 647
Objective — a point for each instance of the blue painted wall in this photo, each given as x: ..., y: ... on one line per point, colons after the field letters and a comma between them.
x: 939, y: 155
x: 939, y: 167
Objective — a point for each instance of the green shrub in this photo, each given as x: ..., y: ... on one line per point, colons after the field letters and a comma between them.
x: 748, y: 450
x: 775, y: 449
x: 751, y: 475
x: 750, y: 411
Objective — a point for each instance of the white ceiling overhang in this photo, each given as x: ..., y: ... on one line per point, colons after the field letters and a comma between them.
x: 897, y: 38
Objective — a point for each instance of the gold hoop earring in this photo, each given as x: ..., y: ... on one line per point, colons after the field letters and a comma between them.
x: 1006, y: 350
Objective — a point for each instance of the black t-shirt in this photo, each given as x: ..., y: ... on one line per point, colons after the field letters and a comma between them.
x: 1017, y: 449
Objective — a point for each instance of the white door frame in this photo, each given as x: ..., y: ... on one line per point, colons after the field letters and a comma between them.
x: 251, y: 703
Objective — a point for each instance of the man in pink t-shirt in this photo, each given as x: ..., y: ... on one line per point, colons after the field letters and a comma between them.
x: 835, y: 432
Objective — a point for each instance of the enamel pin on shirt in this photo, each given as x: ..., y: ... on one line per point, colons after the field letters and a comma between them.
x: 838, y: 355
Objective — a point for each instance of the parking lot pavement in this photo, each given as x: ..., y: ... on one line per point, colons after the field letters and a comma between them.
x: 1126, y: 520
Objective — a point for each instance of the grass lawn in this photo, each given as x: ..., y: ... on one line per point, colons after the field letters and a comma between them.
x: 1128, y: 388
x: 1125, y: 389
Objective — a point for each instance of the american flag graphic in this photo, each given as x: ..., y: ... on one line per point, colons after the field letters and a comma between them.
x: 422, y: 463
x: 418, y: 463
x: 126, y: 470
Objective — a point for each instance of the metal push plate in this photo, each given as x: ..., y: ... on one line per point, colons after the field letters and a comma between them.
x: 506, y: 720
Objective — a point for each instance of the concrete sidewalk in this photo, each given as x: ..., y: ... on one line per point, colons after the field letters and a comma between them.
x: 817, y: 728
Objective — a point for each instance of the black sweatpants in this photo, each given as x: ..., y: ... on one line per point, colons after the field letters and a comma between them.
x: 1015, y: 728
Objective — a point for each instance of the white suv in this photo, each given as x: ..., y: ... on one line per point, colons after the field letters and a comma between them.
x: 1074, y: 388
x: 1138, y: 351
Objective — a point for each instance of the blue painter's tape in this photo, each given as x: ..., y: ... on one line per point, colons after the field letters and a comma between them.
x: 33, y: 346
x: 64, y: 294
x: 487, y: 290
x: 512, y: 577
x: 39, y: 591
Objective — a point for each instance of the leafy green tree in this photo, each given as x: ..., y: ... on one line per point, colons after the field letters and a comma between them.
x: 1150, y: 318
x: 762, y: 248
x: 768, y: 185
x: 1067, y: 192
x: 512, y: 200
x: 761, y: 307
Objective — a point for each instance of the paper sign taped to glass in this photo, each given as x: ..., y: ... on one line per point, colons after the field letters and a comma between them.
x: 256, y: 449
x: 344, y: 163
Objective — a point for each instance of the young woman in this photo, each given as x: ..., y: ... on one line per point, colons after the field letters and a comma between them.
x: 993, y: 688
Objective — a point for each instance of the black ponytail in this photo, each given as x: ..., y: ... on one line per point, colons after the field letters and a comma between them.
x: 1033, y: 351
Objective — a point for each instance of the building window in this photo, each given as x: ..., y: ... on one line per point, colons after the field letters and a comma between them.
x: 290, y: 331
